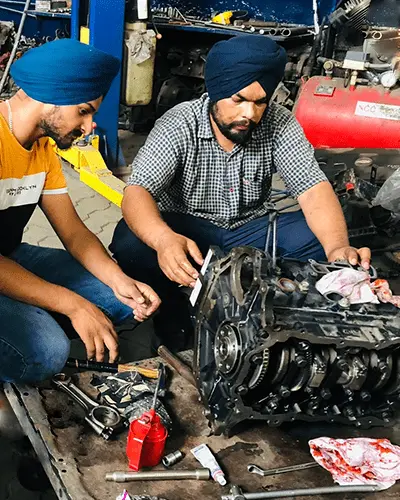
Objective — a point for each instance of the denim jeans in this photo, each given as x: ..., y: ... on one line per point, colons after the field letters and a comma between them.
x: 295, y: 240
x: 34, y: 343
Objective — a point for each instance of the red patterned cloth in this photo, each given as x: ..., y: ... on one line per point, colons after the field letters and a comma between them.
x: 358, y: 460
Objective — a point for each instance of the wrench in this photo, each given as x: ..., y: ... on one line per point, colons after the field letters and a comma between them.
x: 271, y: 472
x: 237, y: 494
x: 103, y: 419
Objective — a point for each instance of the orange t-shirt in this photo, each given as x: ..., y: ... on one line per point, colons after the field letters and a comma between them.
x: 24, y: 177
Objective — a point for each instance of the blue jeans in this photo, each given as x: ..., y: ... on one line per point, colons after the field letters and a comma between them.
x: 34, y: 344
x: 295, y: 240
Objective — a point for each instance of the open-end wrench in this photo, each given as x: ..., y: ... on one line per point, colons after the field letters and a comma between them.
x: 103, y: 419
x: 281, y: 470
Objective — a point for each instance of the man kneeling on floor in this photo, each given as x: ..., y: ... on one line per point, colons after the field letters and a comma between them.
x: 203, y: 178
x: 43, y: 290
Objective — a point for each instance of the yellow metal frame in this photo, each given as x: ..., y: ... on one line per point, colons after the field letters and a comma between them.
x: 88, y: 161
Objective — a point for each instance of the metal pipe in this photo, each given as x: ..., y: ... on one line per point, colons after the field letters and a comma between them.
x: 17, y: 11
x: 236, y: 493
x: 294, y: 31
x: 15, y: 47
x: 174, y: 362
x: 385, y: 34
x: 159, y: 475
x: 382, y: 66
x: 14, y: 3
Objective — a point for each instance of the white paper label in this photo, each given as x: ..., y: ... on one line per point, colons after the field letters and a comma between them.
x: 197, y: 287
x: 143, y: 13
x: 376, y: 110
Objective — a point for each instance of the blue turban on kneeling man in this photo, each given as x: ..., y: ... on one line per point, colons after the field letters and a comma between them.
x: 65, y: 72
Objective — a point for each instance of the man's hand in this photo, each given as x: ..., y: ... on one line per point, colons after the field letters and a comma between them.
x: 172, y: 251
x: 140, y: 297
x: 95, y: 330
x: 352, y: 255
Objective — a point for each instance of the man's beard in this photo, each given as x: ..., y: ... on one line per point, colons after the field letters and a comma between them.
x: 62, y: 141
x: 228, y: 129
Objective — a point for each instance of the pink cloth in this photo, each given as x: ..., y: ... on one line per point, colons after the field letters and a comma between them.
x: 358, y: 460
x: 384, y: 293
x: 356, y: 286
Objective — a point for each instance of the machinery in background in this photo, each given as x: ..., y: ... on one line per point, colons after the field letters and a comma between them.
x: 356, y: 102
x: 270, y: 347
x: 357, y: 177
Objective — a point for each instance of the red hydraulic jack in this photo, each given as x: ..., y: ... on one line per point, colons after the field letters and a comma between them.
x: 147, y: 435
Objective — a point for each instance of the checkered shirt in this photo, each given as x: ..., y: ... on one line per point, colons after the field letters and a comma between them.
x: 186, y: 170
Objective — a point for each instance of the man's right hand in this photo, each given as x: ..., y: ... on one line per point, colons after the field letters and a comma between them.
x: 95, y: 330
x: 172, y: 252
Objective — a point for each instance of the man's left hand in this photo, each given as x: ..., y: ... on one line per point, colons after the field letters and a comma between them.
x: 354, y: 256
x: 140, y: 297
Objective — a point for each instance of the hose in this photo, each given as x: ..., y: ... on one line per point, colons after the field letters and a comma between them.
x: 15, y: 47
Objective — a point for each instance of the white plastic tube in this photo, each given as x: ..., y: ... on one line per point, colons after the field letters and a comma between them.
x: 203, y: 454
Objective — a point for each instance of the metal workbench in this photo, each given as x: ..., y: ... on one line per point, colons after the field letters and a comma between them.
x: 76, y: 460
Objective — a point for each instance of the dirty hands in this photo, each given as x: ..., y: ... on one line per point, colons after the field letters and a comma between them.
x: 354, y: 256
x: 96, y: 330
x: 172, y: 252
x: 140, y: 297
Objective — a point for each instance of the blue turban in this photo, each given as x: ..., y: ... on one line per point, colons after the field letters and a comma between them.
x: 65, y: 72
x: 236, y: 63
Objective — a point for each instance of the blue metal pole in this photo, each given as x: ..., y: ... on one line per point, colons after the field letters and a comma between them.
x: 107, y: 26
x: 75, y: 28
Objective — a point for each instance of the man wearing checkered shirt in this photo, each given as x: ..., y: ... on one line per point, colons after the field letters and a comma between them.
x: 204, y: 178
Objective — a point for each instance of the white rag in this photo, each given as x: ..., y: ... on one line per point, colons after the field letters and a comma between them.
x: 352, y: 284
x: 358, y: 460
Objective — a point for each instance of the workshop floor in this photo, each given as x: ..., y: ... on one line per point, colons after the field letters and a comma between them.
x: 101, y: 217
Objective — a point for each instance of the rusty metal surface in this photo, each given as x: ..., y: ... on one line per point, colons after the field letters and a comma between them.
x: 57, y: 423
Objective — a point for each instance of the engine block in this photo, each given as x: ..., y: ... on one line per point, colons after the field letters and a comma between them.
x: 269, y: 346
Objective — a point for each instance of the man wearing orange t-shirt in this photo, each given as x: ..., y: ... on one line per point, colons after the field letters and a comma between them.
x: 45, y: 291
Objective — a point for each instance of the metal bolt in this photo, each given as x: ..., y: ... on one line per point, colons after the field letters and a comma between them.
x: 365, y: 396
x: 300, y: 361
x: 326, y: 394
x: 284, y: 392
x: 242, y: 390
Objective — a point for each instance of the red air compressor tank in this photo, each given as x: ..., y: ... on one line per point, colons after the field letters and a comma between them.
x: 335, y: 116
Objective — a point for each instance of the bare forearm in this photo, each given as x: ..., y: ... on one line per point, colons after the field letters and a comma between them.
x: 325, y: 217
x: 141, y: 213
x: 87, y: 249
x: 20, y: 284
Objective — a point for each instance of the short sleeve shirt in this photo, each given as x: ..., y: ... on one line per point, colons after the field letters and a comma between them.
x: 25, y: 176
x: 186, y: 170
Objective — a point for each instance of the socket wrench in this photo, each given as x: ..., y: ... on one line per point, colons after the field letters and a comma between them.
x: 103, y: 419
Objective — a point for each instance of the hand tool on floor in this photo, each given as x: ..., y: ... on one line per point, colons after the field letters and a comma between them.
x: 147, y: 435
x: 172, y: 458
x: 95, y: 366
x: 174, y: 362
x: 281, y: 470
x: 103, y: 419
x: 159, y: 475
x: 237, y: 494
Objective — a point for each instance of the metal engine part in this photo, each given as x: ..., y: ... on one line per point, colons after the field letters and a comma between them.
x: 269, y: 346
x: 353, y: 12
